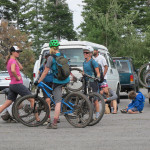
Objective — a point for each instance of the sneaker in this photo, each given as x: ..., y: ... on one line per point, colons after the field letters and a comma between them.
x: 58, y: 121
x: 51, y: 126
x: 48, y: 121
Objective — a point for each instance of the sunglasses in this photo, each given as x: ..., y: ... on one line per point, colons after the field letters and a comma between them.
x: 86, y: 52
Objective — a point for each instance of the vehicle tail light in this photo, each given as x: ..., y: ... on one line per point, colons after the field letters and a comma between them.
x: 33, y: 75
x: 131, y: 78
x: 8, y: 78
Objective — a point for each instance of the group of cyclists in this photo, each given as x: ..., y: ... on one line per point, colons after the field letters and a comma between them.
x: 48, y: 74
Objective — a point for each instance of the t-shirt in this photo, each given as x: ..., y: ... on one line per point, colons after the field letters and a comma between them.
x: 13, y: 79
x: 102, y: 61
x: 88, y: 68
x: 49, y: 76
x: 51, y: 63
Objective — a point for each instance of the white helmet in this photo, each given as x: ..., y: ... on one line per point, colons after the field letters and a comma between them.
x: 89, y: 48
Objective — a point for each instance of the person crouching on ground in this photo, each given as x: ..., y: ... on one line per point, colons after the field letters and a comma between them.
x: 110, y: 97
x: 137, y: 103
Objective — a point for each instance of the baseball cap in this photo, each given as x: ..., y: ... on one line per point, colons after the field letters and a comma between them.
x: 103, y: 85
x: 15, y: 49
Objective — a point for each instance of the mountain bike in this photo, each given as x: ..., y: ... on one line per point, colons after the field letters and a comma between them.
x: 78, y: 82
x: 75, y: 106
x: 144, y: 77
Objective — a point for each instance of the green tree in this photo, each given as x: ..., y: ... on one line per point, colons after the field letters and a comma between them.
x: 142, y: 7
x: 10, y: 36
x: 58, y: 22
x: 7, y: 9
x: 107, y: 28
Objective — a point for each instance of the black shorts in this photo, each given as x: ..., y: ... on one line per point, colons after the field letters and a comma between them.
x: 15, y: 89
x: 94, y: 86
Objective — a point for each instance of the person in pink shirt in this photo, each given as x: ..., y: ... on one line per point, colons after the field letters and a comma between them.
x: 16, y: 85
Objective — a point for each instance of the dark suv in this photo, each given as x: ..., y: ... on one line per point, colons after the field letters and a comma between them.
x: 128, y: 75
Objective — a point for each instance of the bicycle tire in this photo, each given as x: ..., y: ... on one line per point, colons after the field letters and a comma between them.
x: 13, y: 109
x: 77, y: 83
x: 101, y: 106
x: 82, y: 112
x: 41, y: 105
x: 143, y: 83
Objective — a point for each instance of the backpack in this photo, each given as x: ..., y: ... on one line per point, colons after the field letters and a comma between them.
x: 63, y: 67
x: 100, y: 70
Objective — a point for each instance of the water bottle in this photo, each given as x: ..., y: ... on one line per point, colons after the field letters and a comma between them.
x: 112, y: 109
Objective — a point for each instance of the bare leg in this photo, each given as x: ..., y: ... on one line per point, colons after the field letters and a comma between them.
x: 57, y: 110
x: 5, y: 105
x: 48, y: 100
x: 32, y: 101
x: 97, y: 106
x: 114, y: 103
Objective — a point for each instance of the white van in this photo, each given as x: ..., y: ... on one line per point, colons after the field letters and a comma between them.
x: 74, y: 51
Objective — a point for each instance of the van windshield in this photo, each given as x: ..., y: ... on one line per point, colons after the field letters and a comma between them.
x: 75, y: 55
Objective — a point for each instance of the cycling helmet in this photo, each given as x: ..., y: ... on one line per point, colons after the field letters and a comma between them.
x: 88, y: 48
x: 103, y: 85
x: 54, y: 43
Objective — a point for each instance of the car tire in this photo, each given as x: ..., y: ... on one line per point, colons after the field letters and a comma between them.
x: 118, y: 94
x: 30, y: 86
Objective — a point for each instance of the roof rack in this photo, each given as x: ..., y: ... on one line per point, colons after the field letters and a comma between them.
x: 124, y: 57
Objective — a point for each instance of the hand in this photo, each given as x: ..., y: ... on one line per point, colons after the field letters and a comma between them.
x: 105, y: 100
x: 19, y: 78
x: 36, y: 83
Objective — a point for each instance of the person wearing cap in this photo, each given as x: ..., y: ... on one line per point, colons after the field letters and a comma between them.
x: 110, y: 97
x: 102, y: 61
x: 88, y: 69
x: 16, y: 85
x: 48, y: 81
x: 57, y: 84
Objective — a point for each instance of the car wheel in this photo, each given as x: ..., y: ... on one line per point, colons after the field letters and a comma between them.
x: 118, y: 94
x: 30, y: 86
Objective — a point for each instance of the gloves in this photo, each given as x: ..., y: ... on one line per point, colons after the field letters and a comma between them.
x: 36, y: 83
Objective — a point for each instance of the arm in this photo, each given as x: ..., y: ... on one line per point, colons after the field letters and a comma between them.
x: 14, y: 72
x: 113, y: 96
x: 105, y: 70
x: 45, y: 72
x: 97, y: 72
x: 20, y: 66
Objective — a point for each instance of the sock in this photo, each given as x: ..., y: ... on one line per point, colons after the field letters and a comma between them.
x: 55, y: 120
x: 97, y: 114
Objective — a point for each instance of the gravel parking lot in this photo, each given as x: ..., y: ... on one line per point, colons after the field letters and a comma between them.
x: 114, y: 132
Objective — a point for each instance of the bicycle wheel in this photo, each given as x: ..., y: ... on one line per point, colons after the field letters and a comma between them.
x: 13, y: 109
x: 26, y: 115
x: 98, y: 106
x: 81, y: 114
x: 76, y: 81
x: 143, y: 74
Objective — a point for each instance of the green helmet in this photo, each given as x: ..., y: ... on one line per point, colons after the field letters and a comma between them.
x: 54, y: 43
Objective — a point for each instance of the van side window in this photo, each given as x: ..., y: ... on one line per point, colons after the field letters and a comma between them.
x: 105, y: 58
x: 111, y: 61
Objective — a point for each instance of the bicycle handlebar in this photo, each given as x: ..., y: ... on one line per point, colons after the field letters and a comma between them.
x: 96, y: 79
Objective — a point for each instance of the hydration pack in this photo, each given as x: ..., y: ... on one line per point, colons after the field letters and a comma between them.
x: 100, y: 70
x: 63, y: 67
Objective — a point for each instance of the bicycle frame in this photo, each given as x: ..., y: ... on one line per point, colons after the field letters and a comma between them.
x: 70, y: 105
